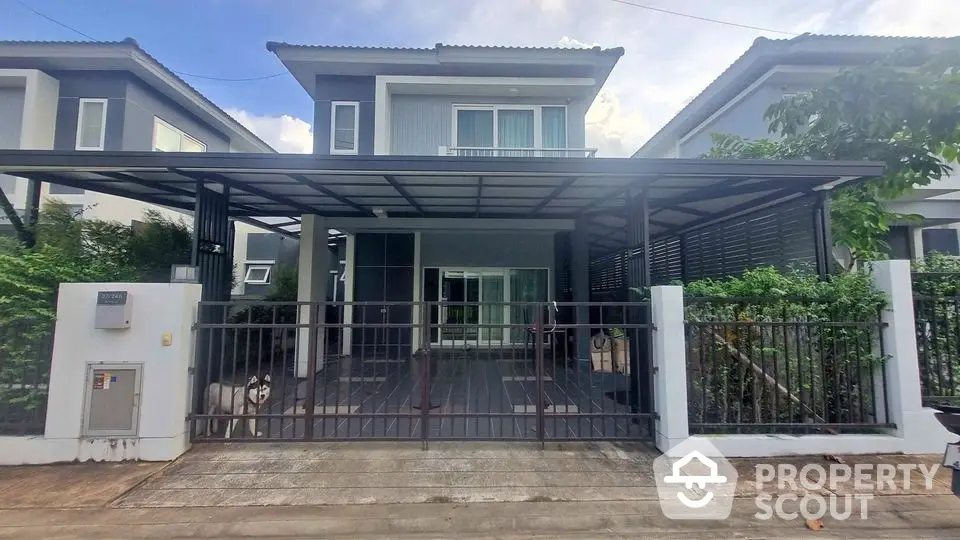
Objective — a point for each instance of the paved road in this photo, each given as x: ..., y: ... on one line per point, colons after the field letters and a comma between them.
x: 462, y: 490
x: 893, y: 517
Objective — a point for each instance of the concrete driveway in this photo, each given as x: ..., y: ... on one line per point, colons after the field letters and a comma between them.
x: 372, y: 490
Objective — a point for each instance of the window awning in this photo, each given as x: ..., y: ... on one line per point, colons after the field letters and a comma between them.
x: 275, y: 189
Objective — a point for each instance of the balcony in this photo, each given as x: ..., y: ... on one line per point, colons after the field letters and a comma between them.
x: 488, y: 151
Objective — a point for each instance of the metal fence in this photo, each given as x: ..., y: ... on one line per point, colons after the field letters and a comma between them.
x: 25, y: 355
x: 420, y: 371
x: 936, y: 298
x: 776, y: 366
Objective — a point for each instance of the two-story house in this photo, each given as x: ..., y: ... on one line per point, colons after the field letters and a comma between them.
x: 770, y: 70
x: 102, y: 96
x: 447, y: 101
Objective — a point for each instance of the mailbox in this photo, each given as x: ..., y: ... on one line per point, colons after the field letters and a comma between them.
x: 113, y: 310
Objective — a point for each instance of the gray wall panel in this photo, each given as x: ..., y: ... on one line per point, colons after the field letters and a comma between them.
x: 343, y: 88
x: 507, y: 250
x: 744, y: 119
x: 270, y: 247
x: 11, y: 118
x: 92, y: 84
x: 143, y: 104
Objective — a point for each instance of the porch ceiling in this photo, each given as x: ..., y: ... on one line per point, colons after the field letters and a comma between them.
x: 273, y: 190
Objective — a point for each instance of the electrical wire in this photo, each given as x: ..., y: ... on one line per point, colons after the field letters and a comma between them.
x: 54, y: 21
x: 705, y: 19
x: 181, y: 73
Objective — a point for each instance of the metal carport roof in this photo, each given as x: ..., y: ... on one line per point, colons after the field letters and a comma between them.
x: 276, y: 189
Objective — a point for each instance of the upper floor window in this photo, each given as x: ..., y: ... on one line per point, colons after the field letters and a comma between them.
x: 510, y: 126
x: 91, y: 124
x: 344, y: 132
x: 167, y: 138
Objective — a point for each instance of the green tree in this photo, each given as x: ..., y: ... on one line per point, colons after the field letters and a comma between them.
x: 903, y: 111
x: 68, y: 248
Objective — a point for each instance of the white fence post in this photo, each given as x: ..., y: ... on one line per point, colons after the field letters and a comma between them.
x: 670, y: 366
x: 916, y: 425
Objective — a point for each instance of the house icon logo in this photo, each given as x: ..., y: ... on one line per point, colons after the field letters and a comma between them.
x: 694, y: 481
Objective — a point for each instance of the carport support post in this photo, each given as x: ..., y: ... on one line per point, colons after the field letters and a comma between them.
x: 313, y: 271
x: 580, y: 283
x: 638, y: 278
x: 669, y: 365
x: 822, y: 234
x: 31, y: 214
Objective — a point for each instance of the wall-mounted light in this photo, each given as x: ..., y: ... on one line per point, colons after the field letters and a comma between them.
x: 380, y: 212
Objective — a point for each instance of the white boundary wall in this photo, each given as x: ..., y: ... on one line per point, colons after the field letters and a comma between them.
x: 157, y: 309
x: 917, y: 431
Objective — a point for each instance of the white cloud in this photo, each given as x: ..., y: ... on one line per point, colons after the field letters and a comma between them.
x: 668, y: 59
x: 287, y: 134
x: 911, y: 18
x: 572, y: 43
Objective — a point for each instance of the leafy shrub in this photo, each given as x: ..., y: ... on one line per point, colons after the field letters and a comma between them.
x: 765, y: 348
x: 68, y: 249
x: 29, y: 283
x: 936, y: 288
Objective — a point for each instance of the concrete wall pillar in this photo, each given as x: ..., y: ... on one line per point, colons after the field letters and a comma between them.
x: 580, y: 285
x: 314, y: 268
x: 916, y: 243
x: 670, y: 365
x: 159, y: 341
x: 916, y: 425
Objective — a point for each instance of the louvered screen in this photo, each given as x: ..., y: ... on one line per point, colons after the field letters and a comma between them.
x: 777, y: 236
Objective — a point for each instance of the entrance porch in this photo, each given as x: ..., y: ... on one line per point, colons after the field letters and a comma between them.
x: 475, y: 282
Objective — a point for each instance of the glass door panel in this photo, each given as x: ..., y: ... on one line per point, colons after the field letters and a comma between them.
x: 475, y: 130
x: 514, y: 130
x: 492, y: 307
x: 527, y: 287
x: 460, y: 294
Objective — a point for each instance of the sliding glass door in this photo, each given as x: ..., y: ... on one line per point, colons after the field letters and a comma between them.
x: 474, y: 304
x: 493, y: 130
x: 471, y: 299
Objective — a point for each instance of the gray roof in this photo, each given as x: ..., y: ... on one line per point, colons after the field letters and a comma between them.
x: 275, y: 46
x: 305, y: 62
x: 763, y: 54
x: 683, y: 194
x: 129, y: 56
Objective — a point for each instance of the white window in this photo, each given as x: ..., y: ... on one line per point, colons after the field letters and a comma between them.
x: 257, y: 273
x: 344, y: 127
x: 509, y: 126
x: 91, y: 124
x: 167, y: 138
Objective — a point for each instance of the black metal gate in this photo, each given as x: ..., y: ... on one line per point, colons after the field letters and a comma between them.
x: 498, y: 371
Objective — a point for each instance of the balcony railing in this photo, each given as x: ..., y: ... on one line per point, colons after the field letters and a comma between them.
x: 482, y: 151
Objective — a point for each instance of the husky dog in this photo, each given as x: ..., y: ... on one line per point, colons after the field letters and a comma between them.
x: 237, y: 400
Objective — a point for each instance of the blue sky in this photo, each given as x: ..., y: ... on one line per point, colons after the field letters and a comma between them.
x: 668, y: 59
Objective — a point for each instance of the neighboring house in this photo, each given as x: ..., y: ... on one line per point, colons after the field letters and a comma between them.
x: 95, y: 96
x: 448, y: 101
x: 772, y: 69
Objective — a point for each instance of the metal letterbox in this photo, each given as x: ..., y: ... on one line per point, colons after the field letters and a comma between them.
x: 113, y: 310
x: 112, y: 400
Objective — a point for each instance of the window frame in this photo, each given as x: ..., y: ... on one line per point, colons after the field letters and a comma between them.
x: 250, y: 266
x: 356, y: 127
x: 103, y: 123
x: 157, y: 121
x: 496, y: 107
